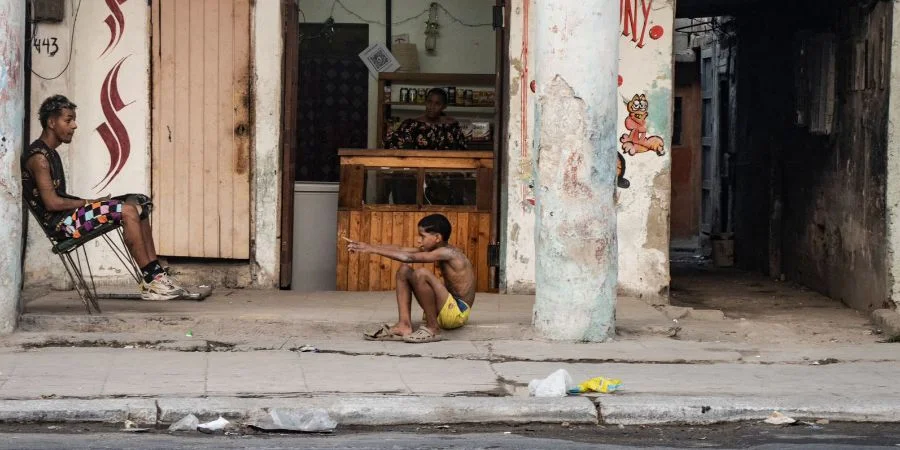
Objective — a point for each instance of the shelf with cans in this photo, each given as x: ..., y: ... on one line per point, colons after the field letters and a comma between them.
x: 471, y: 100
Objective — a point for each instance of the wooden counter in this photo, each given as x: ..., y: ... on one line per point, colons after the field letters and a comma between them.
x: 382, y: 197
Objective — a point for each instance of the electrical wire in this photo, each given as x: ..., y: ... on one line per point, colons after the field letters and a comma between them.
x: 71, y: 46
x: 408, y: 19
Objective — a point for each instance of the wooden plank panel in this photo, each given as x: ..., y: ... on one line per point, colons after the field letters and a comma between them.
x: 353, y: 265
x: 374, y: 260
x: 472, y: 245
x: 194, y: 195
x: 181, y: 129
x: 242, y: 102
x: 343, y: 259
x: 484, y: 191
x: 398, y: 238
x: 210, y: 118
x: 365, y: 229
x: 461, y: 230
x: 387, y: 237
x: 163, y: 112
x: 484, y: 233
x: 225, y: 128
x: 409, y: 237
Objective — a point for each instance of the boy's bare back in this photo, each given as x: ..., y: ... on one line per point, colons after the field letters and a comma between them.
x: 458, y: 273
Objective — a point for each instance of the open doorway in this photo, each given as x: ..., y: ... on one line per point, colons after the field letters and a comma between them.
x: 340, y: 104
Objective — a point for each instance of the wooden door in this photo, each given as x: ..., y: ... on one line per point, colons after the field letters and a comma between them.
x: 290, y: 78
x: 709, y: 141
x: 201, y: 127
x: 685, y: 219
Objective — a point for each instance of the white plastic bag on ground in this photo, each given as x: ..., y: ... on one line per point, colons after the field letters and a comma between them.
x: 285, y: 419
x: 216, y: 425
x: 555, y: 385
x: 777, y: 418
x: 187, y: 423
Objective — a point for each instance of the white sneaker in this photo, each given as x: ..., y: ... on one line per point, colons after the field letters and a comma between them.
x: 161, y: 288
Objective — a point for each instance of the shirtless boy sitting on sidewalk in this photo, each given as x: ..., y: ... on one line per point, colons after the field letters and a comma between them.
x: 446, y: 307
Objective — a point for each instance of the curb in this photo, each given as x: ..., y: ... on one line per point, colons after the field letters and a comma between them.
x: 659, y: 410
x: 73, y: 410
x: 888, y: 320
x: 360, y: 411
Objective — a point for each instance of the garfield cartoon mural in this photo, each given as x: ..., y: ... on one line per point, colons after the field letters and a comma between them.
x: 636, y: 140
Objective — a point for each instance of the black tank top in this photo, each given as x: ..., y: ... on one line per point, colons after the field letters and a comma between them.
x: 49, y: 220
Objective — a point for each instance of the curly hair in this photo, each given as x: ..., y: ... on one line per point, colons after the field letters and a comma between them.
x: 52, y: 107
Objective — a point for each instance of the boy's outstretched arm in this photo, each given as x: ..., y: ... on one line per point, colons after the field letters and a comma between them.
x: 440, y: 254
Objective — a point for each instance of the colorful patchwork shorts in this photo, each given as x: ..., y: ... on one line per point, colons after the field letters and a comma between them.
x: 91, y: 216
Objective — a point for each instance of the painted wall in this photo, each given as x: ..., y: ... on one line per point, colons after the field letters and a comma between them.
x: 107, y: 76
x: 460, y: 49
x: 645, y: 127
x: 893, y: 163
x: 12, y: 110
x: 812, y: 206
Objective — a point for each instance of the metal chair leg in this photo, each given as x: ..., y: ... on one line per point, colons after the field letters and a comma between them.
x: 80, y: 286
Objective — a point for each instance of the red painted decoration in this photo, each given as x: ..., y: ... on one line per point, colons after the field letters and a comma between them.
x: 656, y: 32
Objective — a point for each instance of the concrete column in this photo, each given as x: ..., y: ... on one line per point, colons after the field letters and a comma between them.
x: 12, y: 115
x: 893, y: 165
x: 576, y: 63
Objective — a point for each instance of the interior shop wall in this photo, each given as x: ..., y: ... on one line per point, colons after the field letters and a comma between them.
x: 104, y: 61
x: 643, y: 193
x: 460, y: 49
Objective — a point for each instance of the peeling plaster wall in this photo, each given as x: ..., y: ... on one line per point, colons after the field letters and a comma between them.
x: 12, y: 109
x: 265, y: 185
x: 104, y: 39
x: 893, y: 162
x: 645, y: 68
x: 816, y: 202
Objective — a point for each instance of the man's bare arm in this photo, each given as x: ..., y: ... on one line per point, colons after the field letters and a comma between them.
x: 40, y: 170
x: 441, y: 254
x: 388, y: 246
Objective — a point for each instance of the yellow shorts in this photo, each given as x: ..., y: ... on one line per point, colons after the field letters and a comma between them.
x: 454, y: 313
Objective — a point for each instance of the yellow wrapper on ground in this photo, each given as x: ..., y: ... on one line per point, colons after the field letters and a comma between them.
x: 600, y: 384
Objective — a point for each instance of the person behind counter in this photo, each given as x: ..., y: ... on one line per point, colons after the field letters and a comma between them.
x: 433, y: 130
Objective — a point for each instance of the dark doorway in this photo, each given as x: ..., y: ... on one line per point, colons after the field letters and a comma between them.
x: 333, y: 98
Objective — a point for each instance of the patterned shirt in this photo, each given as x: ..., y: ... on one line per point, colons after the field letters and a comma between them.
x: 413, y: 134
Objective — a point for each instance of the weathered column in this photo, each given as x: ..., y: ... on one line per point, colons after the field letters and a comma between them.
x: 576, y: 62
x: 12, y: 114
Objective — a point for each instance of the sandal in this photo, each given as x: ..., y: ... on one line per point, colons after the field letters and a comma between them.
x: 382, y: 334
x: 421, y: 336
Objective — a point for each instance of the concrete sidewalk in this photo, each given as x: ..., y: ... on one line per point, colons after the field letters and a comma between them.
x: 241, y: 351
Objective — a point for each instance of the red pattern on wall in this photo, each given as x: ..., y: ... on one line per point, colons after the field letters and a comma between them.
x: 116, y: 23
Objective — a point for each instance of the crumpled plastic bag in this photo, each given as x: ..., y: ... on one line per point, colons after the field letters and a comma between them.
x: 285, y: 419
x: 777, y: 418
x: 555, y: 385
x: 187, y: 423
x: 602, y: 385
x: 216, y: 425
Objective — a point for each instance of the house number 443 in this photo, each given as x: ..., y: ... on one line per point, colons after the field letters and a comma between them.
x: 48, y: 44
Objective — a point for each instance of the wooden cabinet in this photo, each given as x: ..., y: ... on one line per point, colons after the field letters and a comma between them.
x: 395, y: 106
x: 383, y: 195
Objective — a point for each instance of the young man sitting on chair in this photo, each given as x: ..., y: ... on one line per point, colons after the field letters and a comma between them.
x: 68, y: 217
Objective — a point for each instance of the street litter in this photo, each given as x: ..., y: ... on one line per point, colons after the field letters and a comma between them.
x: 598, y: 384
x: 216, y: 425
x: 555, y: 385
x: 187, y: 423
x: 131, y: 427
x: 282, y: 419
x: 189, y: 333
x: 777, y: 418
x: 308, y: 348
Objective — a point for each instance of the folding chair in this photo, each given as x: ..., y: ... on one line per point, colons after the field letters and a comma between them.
x: 72, y: 251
